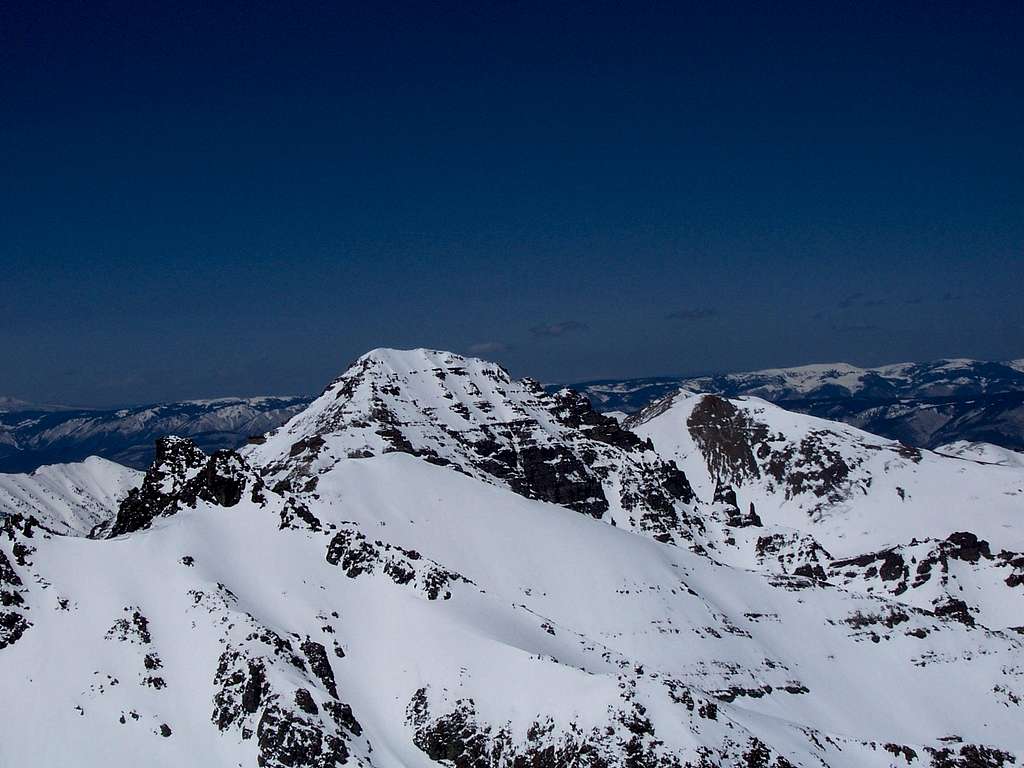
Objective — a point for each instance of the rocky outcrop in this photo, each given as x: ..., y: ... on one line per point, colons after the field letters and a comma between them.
x: 727, y: 437
x: 12, y: 618
x: 759, y: 450
x: 16, y: 532
x: 738, y: 449
x: 630, y: 736
x: 281, y: 692
x: 575, y: 411
x: 182, y: 475
x: 941, y: 575
x: 794, y: 553
x: 726, y: 496
x: 351, y: 551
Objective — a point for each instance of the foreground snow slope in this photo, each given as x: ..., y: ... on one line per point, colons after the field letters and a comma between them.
x: 553, y: 625
x: 388, y: 582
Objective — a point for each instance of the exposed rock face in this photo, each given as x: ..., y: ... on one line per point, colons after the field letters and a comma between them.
x: 812, y: 467
x: 795, y: 553
x: 282, y: 692
x: 737, y: 450
x: 728, y: 438
x: 177, y: 462
x: 12, y: 619
x: 224, y: 479
x: 350, y: 550
x: 726, y: 496
x: 453, y: 733
x: 16, y: 532
x: 576, y: 412
x: 182, y: 475
x: 943, y: 576
x: 970, y: 756
x: 550, y: 473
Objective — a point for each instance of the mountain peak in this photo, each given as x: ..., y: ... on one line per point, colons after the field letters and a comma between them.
x: 471, y: 415
x: 401, y: 359
x: 422, y: 364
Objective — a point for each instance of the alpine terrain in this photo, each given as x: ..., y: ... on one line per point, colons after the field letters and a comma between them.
x: 433, y: 563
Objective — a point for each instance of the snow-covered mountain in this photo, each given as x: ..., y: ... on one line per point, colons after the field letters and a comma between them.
x: 847, y: 506
x: 922, y: 404
x: 31, y: 436
x: 68, y: 498
x: 435, y: 564
x: 471, y: 416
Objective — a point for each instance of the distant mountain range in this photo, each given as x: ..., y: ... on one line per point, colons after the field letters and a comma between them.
x: 922, y: 404
x: 33, y: 435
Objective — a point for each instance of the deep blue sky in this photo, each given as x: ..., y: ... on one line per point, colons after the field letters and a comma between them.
x: 239, y: 199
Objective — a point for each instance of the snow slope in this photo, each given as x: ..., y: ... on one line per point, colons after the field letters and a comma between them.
x: 558, y: 632
x: 68, y: 498
x: 388, y: 582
